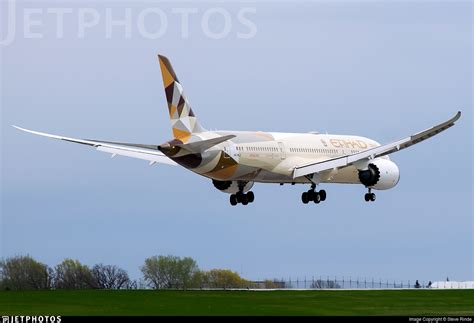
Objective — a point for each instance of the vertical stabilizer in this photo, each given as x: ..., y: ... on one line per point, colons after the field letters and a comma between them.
x: 183, y: 119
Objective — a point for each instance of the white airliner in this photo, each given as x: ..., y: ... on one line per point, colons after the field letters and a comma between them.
x: 235, y: 160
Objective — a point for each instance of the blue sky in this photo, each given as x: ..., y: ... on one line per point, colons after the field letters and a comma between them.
x: 378, y: 69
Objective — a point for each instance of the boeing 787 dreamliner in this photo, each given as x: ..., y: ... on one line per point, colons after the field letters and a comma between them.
x: 235, y: 160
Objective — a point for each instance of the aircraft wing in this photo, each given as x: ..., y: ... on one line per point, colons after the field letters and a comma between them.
x: 145, y: 152
x: 343, y: 161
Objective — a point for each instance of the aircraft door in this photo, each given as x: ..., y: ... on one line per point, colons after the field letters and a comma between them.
x: 281, y: 147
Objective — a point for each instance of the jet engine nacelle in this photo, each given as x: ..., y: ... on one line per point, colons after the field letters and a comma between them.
x: 381, y: 174
x: 231, y: 187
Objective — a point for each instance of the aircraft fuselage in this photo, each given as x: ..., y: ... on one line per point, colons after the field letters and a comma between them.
x: 269, y: 157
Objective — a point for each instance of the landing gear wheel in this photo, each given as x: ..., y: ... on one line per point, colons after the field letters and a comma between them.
x: 239, y: 197
x: 369, y: 197
x: 245, y: 199
x: 322, y: 194
x: 233, y: 200
x: 311, y: 195
x: 250, y: 197
x: 304, y: 197
x: 317, y: 198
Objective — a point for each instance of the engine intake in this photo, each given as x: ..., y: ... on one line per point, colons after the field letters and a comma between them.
x: 370, y: 176
x: 381, y: 174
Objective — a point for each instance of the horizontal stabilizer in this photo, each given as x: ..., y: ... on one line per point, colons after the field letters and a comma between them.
x: 202, y: 145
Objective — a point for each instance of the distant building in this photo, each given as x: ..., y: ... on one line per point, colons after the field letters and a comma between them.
x: 453, y: 285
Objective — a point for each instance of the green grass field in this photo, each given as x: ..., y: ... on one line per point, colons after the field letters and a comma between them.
x: 150, y: 302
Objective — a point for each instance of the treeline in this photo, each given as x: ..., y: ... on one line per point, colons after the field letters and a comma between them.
x: 25, y: 273
x: 159, y: 272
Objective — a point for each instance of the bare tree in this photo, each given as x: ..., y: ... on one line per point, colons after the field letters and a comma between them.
x: 110, y: 277
x: 325, y: 284
x: 71, y: 274
x: 23, y: 272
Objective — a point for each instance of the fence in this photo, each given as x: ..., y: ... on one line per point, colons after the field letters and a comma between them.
x: 338, y: 283
x: 322, y: 283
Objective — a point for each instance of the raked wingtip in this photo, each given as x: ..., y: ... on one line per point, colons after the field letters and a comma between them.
x: 20, y: 128
x: 457, y: 116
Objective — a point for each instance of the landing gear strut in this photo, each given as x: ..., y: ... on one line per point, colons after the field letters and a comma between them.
x: 241, y: 197
x: 313, y: 195
x: 369, y: 196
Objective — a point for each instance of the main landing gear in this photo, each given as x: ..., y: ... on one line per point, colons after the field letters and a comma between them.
x: 369, y: 196
x: 313, y: 195
x: 241, y: 197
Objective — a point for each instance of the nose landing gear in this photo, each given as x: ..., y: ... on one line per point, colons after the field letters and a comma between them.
x: 369, y: 197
